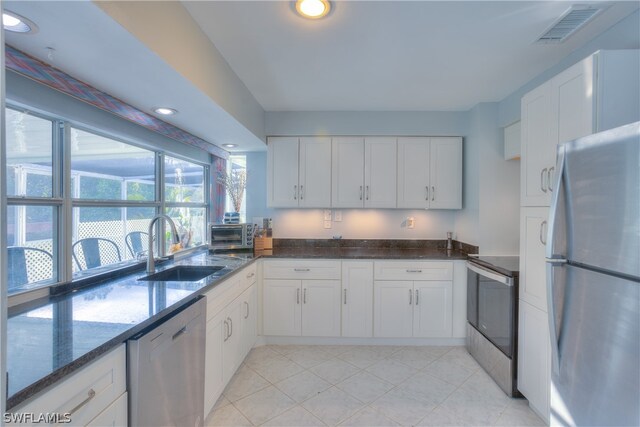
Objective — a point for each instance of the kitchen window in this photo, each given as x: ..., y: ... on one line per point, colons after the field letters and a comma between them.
x: 80, y: 201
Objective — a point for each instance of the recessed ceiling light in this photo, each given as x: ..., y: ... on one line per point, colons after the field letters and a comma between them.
x: 313, y: 9
x: 165, y: 111
x: 17, y: 24
x: 230, y: 145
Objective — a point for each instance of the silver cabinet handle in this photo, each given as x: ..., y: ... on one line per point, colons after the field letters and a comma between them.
x: 247, y: 315
x: 543, y: 187
x: 361, y: 192
x: 90, y: 395
x: 345, y: 297
x: 367, y: 193
x: 542, y: 232
x: 249, y: 276
x: 179, y: 333
x: 298, y: 296
x: 433, y: 193
x: 550, y: 177
x: 413, y: 271
x: 427, y: 196
x: 301, y: 191
x: 295, y: 192
x: 417, y: 295
x: 226, y: 331
x: 304, y: 296
x: 410, y: 297
x: 301, y: 269
x: 230, y: 327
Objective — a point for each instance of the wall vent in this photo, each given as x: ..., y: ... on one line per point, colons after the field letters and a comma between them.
x: 571, y: 21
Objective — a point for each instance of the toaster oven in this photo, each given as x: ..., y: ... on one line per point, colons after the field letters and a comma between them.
x: 230, y: 236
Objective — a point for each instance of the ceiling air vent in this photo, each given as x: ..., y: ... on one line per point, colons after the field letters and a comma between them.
x: 570, y: 22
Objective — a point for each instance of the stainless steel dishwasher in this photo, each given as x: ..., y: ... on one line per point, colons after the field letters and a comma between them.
x: 166, y: 371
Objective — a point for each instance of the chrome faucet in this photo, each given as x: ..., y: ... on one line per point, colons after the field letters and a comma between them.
x: 151, y: 263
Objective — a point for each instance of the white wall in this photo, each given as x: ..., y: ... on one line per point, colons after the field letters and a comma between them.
x: 624, y: 35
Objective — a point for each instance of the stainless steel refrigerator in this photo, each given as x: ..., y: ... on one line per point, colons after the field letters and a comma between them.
x: 593, y: 280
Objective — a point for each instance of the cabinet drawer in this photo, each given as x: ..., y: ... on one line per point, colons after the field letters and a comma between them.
x: 302, y: 269
x: 86, y: 393
x: 230, y: 289
x: 250, y: 274
x: 413, y: 270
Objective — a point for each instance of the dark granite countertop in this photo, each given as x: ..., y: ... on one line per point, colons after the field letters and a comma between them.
x: 60, y: 334
x: 364, y: 253
x: 65, y: 332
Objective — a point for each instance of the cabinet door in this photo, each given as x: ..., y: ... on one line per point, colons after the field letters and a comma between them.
x: 357, y: 298
x: 433, y: 304
x: 539, y: 140
x: 282, y: 172
x: 347, y: 172
x: 315, y: 173
x: 572, y: 92
x: 321, y: 308
x: 532, y: 282
x: 413, y: 173
x: 380, y: 174
x: 114, y: 416
x: 445, y: 173
x: 216, y: 330
x: 231, y: 354
x: 281, y: 307
x: 534, y: 358
x: 249, y: 310
x: 393, y: 309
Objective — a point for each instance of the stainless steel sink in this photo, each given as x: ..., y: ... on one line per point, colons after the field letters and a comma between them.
x: 183, y: 273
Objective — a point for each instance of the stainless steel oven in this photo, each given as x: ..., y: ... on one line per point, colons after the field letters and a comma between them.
x: 492, y: 297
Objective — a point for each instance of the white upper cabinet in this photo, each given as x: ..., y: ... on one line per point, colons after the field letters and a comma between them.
x: 538, y: 146
x: 347, y: 172
x: 315, y: 172
x: 598, y: 93
x: 380, y: 172
x: 413, y: 172
x: 445, y: 162
x: 364, y: 172
x: 299, y: 172
x: 430, y: 173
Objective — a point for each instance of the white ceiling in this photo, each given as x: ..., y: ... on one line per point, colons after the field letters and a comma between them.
x: 92, y: 47
x: 366, y: 55
x: 389, y: 55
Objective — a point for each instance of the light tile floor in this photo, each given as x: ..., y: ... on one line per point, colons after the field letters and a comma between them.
x: 292, y: 385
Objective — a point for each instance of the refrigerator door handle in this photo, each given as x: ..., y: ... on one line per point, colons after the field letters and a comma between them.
x: 551, y: 313
x: 555, y: 200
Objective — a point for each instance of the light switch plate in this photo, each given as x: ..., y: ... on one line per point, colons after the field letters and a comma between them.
x: 327, y: 224
x: 411, y: 222
x: 337, y: 216
x: 327, y: 215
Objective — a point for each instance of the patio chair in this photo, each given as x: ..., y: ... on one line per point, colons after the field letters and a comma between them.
x: 136, y: 241
x: 28, y: 265
x: 95, y: 252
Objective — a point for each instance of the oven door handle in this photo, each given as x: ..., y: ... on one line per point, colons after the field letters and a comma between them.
x: 490, y: 274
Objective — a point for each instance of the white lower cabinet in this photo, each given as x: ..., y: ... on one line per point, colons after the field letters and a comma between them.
x: 534, y: 358
x: 533, y: 234
x: 231, y: 331
x: 357, y: 298
x: 406, y: 309
x: 94, y: 394
x: 302, y: 307
x: 432, y: 310
x: 114, y: 416
x: 393, y: 309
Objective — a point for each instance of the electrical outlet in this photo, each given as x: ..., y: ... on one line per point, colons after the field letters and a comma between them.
x: 327, y: 215
x: 327, y: 223
x: 337, y: 216
x: 411, y: 222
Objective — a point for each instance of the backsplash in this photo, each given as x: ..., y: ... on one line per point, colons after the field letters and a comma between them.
x: 363, y: 224
x: 374, y: 244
